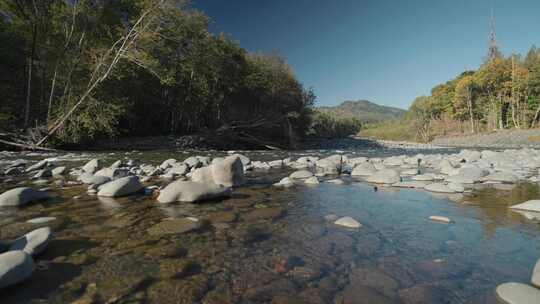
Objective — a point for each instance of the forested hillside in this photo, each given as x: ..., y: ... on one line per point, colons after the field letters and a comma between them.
x: 503, y: 93
x: 74, y: 71
x: 365, y: 111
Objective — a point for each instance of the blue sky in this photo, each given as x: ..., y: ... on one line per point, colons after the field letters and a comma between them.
x: 386, y: 51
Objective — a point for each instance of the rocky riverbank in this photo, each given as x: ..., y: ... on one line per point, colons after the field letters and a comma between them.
x: 222, y: 180
x: 498, y: 139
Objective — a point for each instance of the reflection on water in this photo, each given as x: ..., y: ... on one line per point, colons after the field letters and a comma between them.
x: 267, y: 245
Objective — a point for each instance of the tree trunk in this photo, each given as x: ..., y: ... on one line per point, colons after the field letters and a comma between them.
x: 29, y: 80
x: 470, y: 110
x: 49, y: 107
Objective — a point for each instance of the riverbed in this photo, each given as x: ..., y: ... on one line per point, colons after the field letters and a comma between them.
x: 270, y: 244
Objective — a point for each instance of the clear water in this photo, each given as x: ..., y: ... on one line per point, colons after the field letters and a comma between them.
x: 268, y: 245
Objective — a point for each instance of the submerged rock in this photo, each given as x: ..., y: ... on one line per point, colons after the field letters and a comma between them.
x: 21, y: 196
x: 15, y: 266
x: 174, y: 226
x: 348, y: 222
x: 188, y: 191
x: 517, y: 293
x: 120, y: 187
x: 532, y: 205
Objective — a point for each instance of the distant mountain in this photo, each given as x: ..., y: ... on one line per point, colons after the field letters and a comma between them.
x: 365, y: 111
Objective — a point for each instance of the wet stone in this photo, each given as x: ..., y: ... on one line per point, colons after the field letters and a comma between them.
x: 222, y: 217
x: 166, y: 251
x: 263, y: 214
x: 420, y: 294
x: 186, y: 291
x: 175, y: 226
x: 359, y: 294
x: 376, y: 279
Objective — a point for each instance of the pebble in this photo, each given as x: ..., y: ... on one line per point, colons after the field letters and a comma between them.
x: 438, y: 218
x: 41, y: 220
x: 348, y: 222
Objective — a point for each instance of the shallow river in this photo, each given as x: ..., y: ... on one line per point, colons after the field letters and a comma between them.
x: 270, y: 245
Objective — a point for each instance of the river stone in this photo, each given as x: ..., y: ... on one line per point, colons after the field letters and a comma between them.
x: 229, y: 172
x: 13, y: 171
x: 364, y: 169
x: 423, y: 177
x: 517, y: 293
x: 112, y: 173
x: 442, y: 219
x: 174, y: 226
x: 15, y: 267
x: 38, y: 166
x: 385, y: 176
x: 42, y: 173
x: 263, y: 213
x: 202, y: 175
x: 532, y: 205
x: 90, y: 179
x: 167, y: 163
x: 34, y: 242
x: 21, y: 196
x: 535, y: 280
x: 189, y: 191
x: 439, y: 188
x: 285, y: 182
x: 358, y: 294
x: 41, y: 220
x: 193, y: 162
x: 121, y: 187
x: 58, y: 171
x: 335, y: 181
x: 348, y: 222
x: 92, y: 166
x: 503, y: 177
x: 301, y: 174
x: 311, y: 180
x: 456, y: 187
x: 411, y: 184
x: 178, y: 169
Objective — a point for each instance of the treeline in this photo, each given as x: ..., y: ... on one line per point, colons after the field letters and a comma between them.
x: 73, y: 71
x: 503, y: 93
x: 330, y: 125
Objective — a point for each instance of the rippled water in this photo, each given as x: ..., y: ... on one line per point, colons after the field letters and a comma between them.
x: 268, y: 245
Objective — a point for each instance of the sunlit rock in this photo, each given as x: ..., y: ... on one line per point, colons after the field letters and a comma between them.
x: 189, y: 191
x: 21, y: 196
x: 517, y: 293
x: 348, y: 222
x: 120, y: 187
x: 385, y: 176
x: 15, y: 267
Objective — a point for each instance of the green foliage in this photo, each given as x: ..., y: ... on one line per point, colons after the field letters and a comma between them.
x: 332, y: 126
x: 502, y: 93
x: 397, y: 130
x: 176, y: 77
